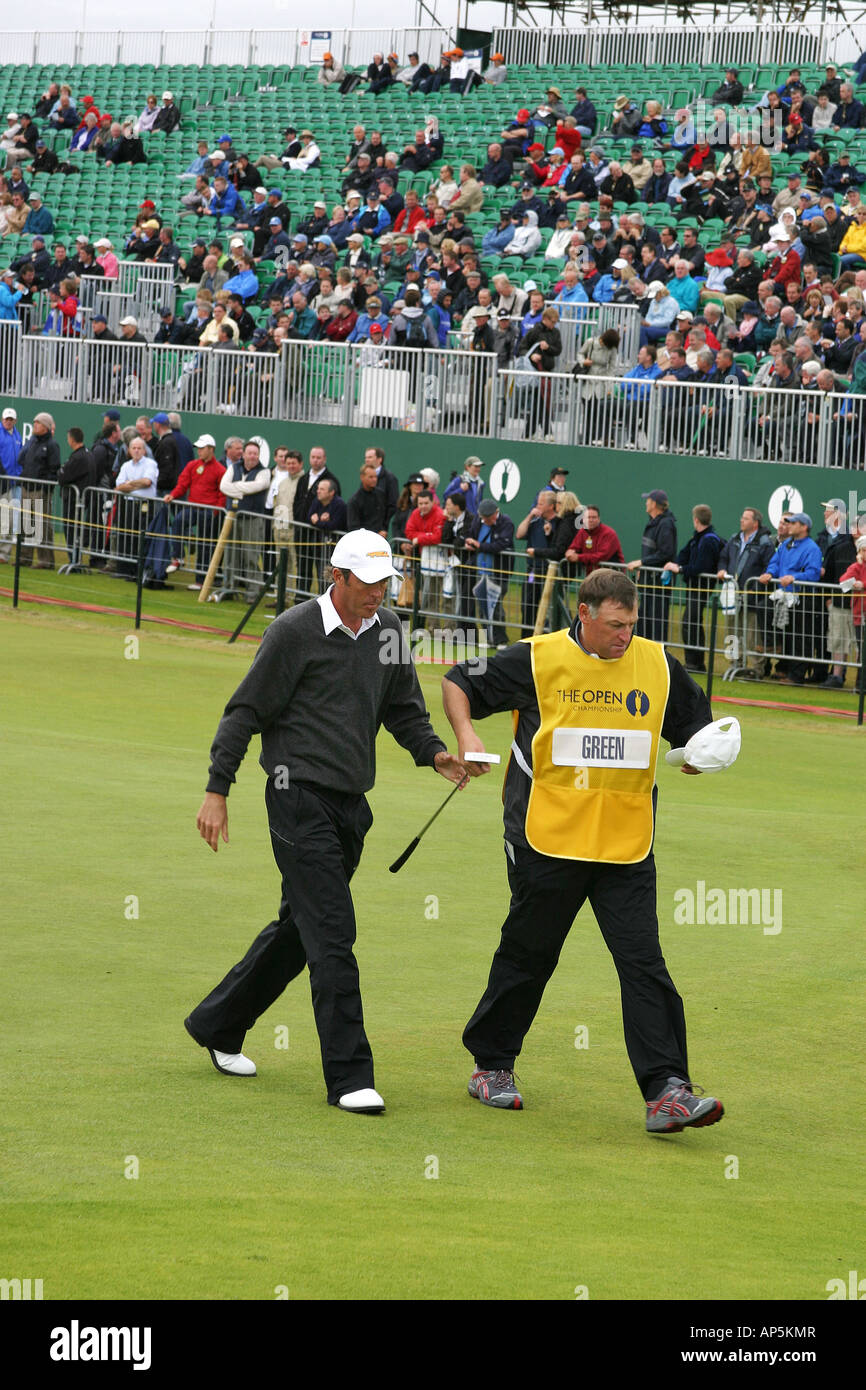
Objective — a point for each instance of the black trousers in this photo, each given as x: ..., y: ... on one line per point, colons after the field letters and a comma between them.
x: 317, y: 837
x: 546, y: 896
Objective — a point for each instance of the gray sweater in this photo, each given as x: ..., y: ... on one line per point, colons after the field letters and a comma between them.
x: 318, y: 703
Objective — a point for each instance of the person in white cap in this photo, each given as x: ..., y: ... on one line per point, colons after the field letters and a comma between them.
x: 592, y: 703
x: 168, y: 116
x: 328, y: 673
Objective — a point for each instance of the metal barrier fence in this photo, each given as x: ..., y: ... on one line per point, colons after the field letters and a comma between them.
x: 667, y: 45
x: 809, y: 631
x: 44, y: 515
x: 578, y: 323
x: 423, y: 389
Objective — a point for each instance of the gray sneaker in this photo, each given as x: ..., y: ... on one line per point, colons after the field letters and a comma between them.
x: 677, y: 1107
x: 495, y: 1088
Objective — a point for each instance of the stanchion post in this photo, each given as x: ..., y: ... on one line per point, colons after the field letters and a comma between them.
x: 139, y: 567
x: 711, y: 655
x: 16, y: 581
x: 282, y: 574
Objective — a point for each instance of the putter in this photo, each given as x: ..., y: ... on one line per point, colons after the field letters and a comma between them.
x: 411, y: 848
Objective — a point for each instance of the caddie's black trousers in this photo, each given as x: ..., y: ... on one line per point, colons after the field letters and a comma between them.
x: 546, y: 896
x: 317, y: 837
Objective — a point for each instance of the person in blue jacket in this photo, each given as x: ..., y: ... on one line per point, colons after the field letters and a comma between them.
x: 795, y: 565
x: 226, y: 201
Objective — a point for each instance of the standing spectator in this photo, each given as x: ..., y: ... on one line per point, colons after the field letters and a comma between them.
x: 366, y: 508
x: 795, y: 565
x: 245, y: 482
x: 39, y: 465
x: 744, y: 557
x: 423, y: 533
x: 595, y: 544
x: 490, y: 539
x: 698, y: 563
x: 658, y: 546
x: 10, y: 448
x: 837, y: 553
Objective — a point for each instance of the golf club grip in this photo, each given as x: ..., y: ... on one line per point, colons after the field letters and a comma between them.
x: 410, y: 849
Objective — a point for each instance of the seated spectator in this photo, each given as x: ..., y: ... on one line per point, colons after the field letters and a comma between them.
x: 730, y: 92
x: 309, y: 156
x: 682, y: 287
x: 652, y: 125
x: 245, y: 282
x: 168, y: 116
x: 571, y: 292
x: 146, y: 120
x: 849, y: 111
x: 470, y: 194
x: 39, y: 221
x: 640, y: 171
x: 584, y: 113
x: 625, y: 120
x: 526, y: 239
x: 63, y: 115
x: 331, y: 71
x: 661, y: 314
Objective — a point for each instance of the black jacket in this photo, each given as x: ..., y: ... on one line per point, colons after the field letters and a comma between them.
x: 538, y: 334
x: 501, y: 539
x: 560, y: 538
x: 79, y: 470
x: 168, y: 462
x: 837, y: 553
x: 659, y: 540
x: 367, y: 510
x: 103, y: 454
x: 755, y: 557
x: 40, y: 458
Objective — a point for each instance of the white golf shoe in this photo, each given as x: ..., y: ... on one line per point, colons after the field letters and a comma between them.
x: 367, y: 1102
x: 232, y: 1063
x: 229, y: 1063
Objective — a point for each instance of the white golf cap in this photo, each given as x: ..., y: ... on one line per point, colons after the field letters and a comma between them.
x: 129, y: 320
x: 654, y: 287
x: 205, y: 439
x: 366, y: 554
x: 620, y: 263
x: 103, y: 241
x: 711, y: 749
x: 168, y: 96
x: 10, y: 414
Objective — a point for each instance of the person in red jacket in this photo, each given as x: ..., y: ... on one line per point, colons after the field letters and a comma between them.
x: 594, y: 544
x: 423, y: 530
x: 786, y: 266
x: 568, y: 137
x: 199, y: 484
x: 412, y: 215
x: 341, y: 325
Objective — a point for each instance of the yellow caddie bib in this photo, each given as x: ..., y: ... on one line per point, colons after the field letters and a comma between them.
x: 594, y: 755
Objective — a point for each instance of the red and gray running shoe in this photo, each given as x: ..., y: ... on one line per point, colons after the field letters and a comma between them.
x: 495, y: 1088
x: 680, y: 1105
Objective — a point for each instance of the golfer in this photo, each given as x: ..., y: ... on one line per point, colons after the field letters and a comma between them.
x: 591, y: 703
x: 317, y: 692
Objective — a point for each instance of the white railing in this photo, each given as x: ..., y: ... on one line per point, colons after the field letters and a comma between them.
x: 594, y: 46
x: 443, y: 391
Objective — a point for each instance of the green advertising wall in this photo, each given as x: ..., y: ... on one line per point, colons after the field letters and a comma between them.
x: 614, y: 479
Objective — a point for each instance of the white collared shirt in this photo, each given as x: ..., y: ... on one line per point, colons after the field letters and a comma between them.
x: 331, y: 618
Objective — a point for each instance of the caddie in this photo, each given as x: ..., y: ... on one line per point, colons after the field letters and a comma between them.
x: 591, y: 704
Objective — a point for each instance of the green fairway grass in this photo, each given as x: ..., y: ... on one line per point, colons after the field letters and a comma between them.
x: 249, y: 1188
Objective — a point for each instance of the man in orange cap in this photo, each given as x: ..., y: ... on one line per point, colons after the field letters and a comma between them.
x: 330, y: 71
x: 497, y: 71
